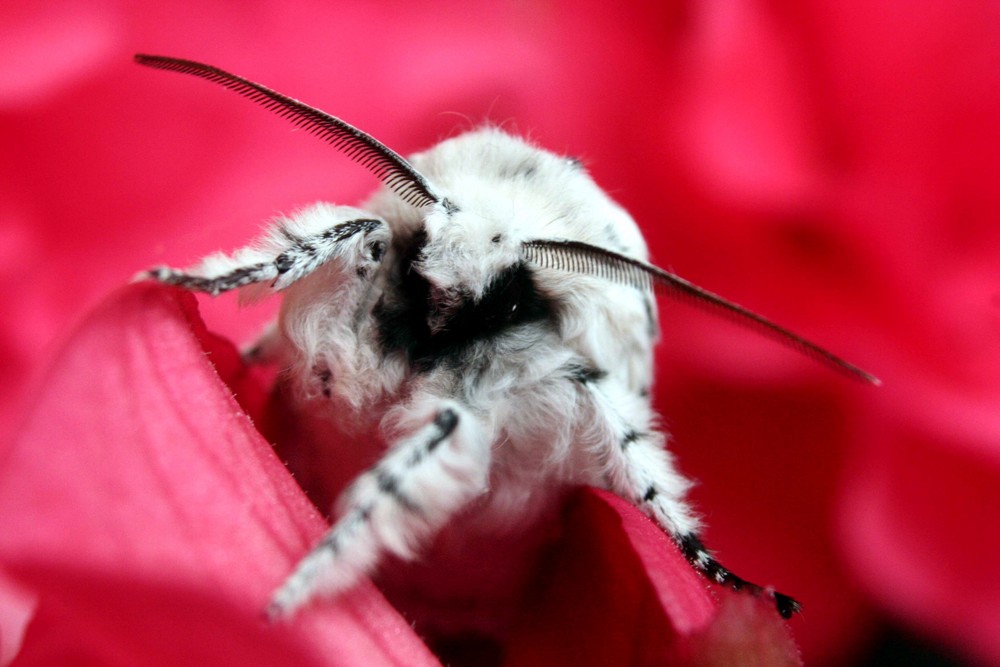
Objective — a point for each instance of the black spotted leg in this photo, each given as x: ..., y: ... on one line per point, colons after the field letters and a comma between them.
x: 433, y: 470
x: 293, y: 249
x: 637, y: 467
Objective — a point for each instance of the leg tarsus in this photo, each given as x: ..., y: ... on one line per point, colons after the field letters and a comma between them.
x: 703, y: 561
x: 637, y: 468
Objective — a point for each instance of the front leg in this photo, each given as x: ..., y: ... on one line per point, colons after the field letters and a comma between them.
x: 292, y: 249
x: 437, y: 466
x: 638, y: 468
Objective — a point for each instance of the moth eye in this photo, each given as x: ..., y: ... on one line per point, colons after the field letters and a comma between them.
x: 497, y: 238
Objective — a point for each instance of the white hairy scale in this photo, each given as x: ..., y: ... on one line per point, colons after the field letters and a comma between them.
x: 526, y: 430
x: 537, y: 432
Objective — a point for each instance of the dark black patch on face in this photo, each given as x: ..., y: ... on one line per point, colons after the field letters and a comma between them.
x: 401, y: 313
x: 511, y: 299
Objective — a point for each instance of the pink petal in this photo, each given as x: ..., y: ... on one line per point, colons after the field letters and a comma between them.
x: 49, y: 48
x: 616, y: 591
x: 108, y: 619
x: 743, y: 127
x: 920, y: 511
x: 137, y: 466
x: 745, y: 631
x: 598, y: 602
x: 768, y: 458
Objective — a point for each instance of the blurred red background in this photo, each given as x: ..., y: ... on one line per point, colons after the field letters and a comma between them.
x: 832, y: 165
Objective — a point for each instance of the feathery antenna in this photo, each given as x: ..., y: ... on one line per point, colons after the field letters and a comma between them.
x: 581, y: 257
x: 390, y: 168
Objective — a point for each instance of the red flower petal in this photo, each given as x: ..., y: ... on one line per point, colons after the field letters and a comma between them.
x: 768, y: 458
x: 136, y: 465
x: 744, y: 631
x: 49, y: 48
x: 742, y: 126
x: 920, y: 511
x: 616, y: 591
x: 90, y: 618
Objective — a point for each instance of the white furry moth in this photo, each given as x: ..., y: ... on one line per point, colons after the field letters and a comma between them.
x: 491, y: 310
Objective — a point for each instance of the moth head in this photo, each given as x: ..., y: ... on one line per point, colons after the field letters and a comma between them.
x: 498, y: 191
x: 465, y: 249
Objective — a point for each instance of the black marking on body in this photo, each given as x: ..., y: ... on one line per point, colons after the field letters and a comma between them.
x: 703, y: 561
x: 510, y: 299
x: 364, y: 512
x: 324, y: 376
x: 584, y: 374
x: 301, y: 249
x: 245, y: 275
x: 525, y: 169
x: 652, y: 328
x: 402, y: 313
x: 446, y: 421
x: 376, y: 249
x: 336, y: 234
x: 331, y: 543
x: 284, y: 262
x: 389, y: 485
x: 651, y: 493
x: 611, y: 234
x: 630, y: 436
x: 786, y: 605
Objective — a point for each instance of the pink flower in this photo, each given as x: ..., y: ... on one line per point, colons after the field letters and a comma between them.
x: 831, y: 165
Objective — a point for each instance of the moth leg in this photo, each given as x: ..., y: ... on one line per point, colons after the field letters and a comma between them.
x: 293, y: 249
x: 637, y: 467
x: 439, y: 464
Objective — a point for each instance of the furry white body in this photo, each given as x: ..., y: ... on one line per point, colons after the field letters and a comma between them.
x: 526, y: 428
x: 539, y: 406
